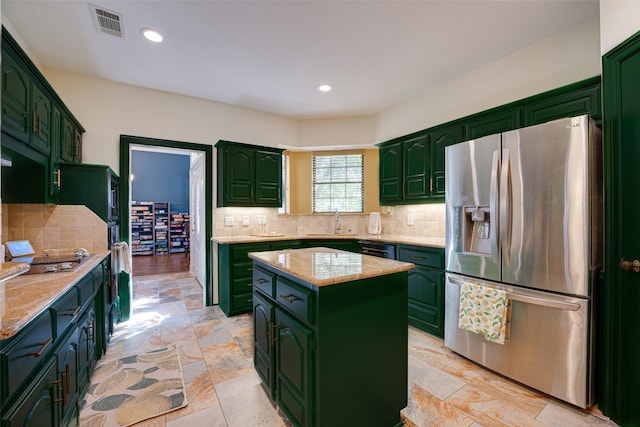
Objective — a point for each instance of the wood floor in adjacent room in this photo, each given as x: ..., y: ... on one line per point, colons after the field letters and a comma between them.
x: 144, y: 265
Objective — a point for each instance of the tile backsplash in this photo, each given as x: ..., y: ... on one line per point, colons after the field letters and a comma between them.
x: 54, y: 226
x: 427, y: 220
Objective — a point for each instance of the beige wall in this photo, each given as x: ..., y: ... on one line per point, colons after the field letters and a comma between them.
x: 619, y: 20
x: 564, y: 58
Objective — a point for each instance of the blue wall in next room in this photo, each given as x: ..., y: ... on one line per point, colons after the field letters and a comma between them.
x: 161, y: 177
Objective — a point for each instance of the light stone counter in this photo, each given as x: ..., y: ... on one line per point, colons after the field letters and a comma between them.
x: 324, y: 266
x: 24, y: 297
x: 12, y: 269
x: 435, y: 242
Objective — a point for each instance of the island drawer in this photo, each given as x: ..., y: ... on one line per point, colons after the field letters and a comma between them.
x: 263, y: 280
x: 64, y: 310
x: 427, y: 257
x: 295, y: 298
x: 26, y: 353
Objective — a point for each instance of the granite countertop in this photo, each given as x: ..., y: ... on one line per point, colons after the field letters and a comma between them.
x: 436, y: 242
x: 324, y: 266
x: 9, y: 270
x: 23, y: 298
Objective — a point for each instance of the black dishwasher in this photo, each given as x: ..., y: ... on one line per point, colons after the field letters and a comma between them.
x: 379, y: 249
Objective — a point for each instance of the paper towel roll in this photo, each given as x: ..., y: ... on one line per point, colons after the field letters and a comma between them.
x: 375, y: 224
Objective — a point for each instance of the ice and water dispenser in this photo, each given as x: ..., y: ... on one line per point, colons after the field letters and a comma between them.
x: 474, y: 229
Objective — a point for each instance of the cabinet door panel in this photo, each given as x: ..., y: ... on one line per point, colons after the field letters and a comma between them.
x: 37, y: 407
x: 390, y: 170
x: 41, y: 132
x: 493, y: 122
x: 67, y: 141
x: 439, y: 140
x: 16, y: 85
x: 294, y: 345
x: 415, y: 157
x: 240, y: 176
x: 574, y: 103
x: 264, y: 361
x: 426, y: 300
x: 268, y: 179
x: 67, y: 356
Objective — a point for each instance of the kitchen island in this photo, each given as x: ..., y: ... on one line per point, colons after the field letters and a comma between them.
x: 330, y: 331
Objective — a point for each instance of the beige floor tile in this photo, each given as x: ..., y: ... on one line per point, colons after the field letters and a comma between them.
x: 225, y: 361
x: 425, y: 410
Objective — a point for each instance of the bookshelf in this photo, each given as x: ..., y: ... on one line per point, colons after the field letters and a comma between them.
x: 157, y: 231
x: 161, y: 228
x: 141, y: 228
x: 179, y: 232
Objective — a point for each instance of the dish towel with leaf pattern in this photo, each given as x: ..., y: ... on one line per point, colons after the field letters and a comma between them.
x: 484, y: 311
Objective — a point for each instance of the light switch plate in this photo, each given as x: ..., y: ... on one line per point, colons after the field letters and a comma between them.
x: 409, y: 219
x: 228, y: 221
x: 245, y: 220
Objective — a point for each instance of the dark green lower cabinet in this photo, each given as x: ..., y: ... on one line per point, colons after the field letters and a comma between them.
x: 38, y: 405
x: 332, y: 356
x: 426, y: 287
x: 67, y: 356
x: 86, y: 349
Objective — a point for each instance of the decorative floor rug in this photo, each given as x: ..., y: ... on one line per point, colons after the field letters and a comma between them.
x: 134, y: 388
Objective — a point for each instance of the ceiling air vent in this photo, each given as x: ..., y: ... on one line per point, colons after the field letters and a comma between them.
x: 107, y: 21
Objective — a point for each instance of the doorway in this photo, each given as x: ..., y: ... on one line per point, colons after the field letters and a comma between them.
x: 200, y: 154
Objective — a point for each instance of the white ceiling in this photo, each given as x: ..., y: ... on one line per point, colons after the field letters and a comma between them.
x: 271, y: 55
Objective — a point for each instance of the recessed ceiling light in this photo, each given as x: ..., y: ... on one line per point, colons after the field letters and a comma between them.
x: 324, y: 88
x: 152, y: 35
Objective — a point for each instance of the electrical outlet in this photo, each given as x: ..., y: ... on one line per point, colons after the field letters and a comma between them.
x: 410, y: 219
x: 228, y: 221
x: 245, y: 220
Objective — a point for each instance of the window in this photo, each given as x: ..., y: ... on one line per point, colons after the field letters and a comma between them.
x: 338, y: 183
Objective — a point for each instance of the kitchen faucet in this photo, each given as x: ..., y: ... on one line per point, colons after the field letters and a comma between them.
x: 337, y: 226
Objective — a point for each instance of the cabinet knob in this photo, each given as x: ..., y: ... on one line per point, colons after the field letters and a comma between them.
x: 630, y: 265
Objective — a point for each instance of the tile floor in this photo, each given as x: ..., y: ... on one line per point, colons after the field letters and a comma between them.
x: 223, y: 389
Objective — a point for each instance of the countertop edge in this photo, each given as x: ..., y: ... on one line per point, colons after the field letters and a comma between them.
x: 434, y: 242
x: 388, y: 266
x: 7, y: 331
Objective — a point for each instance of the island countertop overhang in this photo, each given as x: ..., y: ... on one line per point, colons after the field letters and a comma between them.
x: 324, y: 266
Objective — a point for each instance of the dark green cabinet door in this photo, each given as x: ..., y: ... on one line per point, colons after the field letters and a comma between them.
x: 16, y: 87
x: 86, y: 349
x: 38, y: 406
x: 415, y: 157
x: 426, y: 300
x: 67, y: 356
x: 239, y: 175
x: 568, y: 104
x: 268, y: 179
x: 264, y: 361
x: 67, y: 141
x: 493, y: 122
x: 340, y: 244
x: 294, y: 368
x: 41, y: 128
x: 439, y: 140
x: 54, y: 158
x: 390, y: 170
x: 619, y: 371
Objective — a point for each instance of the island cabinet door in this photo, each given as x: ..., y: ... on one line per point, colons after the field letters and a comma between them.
x: 294, y: 369
x: 263, y: 360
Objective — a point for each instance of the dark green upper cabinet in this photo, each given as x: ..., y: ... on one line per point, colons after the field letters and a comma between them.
x: 415, y: 163
x: 38, y: 130
x: 492, y: 122
x: 390, y: 171
x: 412, y: 168
x: 249, y: 175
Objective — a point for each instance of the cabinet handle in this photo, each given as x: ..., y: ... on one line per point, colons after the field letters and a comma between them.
x: 418, y: 258
x: 430, y: 185
x: 58, y: 174
x: 39, y: 126
x: 291, y: 298
x: 249, y: 284
x: 250, y: 269
x: 261, y: 281
x: 73, y: 312
x: 33, y: 120
x: 44, y: 346
x: 92, y: 331
x: 274, y: 333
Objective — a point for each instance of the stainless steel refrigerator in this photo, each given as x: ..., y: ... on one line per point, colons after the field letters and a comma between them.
x: 524, y: 215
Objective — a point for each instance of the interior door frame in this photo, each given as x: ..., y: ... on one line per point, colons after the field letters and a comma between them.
x: 614, y: 382
x: 126, y: 141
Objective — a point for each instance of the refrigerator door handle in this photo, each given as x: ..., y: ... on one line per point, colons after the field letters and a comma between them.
x: 505, y: 206
x: 493, y: 208
x: 528, y: 299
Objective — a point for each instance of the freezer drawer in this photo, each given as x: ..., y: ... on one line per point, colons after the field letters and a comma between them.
x: 550, y: 345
